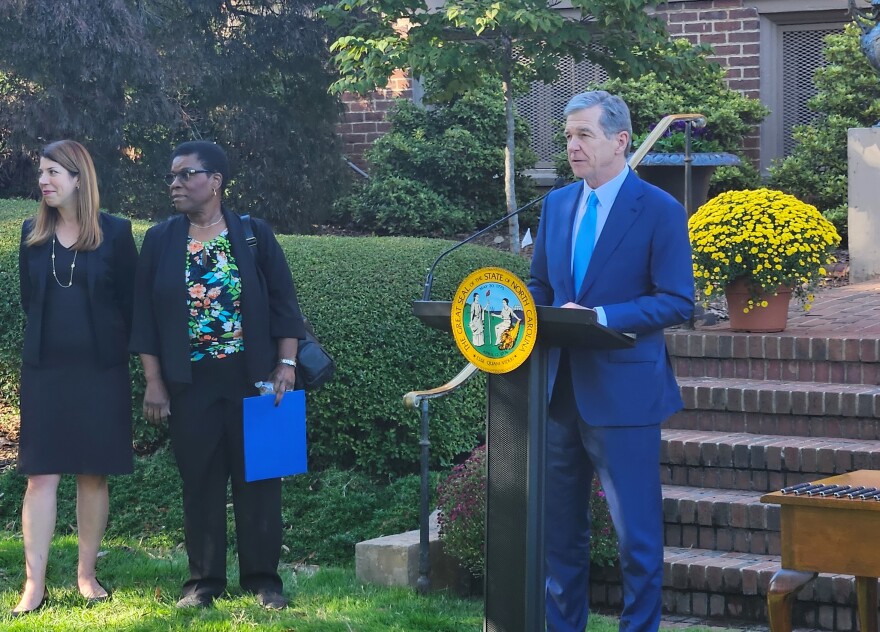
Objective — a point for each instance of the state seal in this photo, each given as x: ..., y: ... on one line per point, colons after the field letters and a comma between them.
x: 494, y: 320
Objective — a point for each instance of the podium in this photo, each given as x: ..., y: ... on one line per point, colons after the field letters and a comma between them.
x: 515, y: 439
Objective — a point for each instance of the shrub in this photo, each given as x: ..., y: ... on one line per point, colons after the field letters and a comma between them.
x: 455, y: 150
x: 848, y: 95
x: 324, y: 513
x: 396, y: 205
x: 461, y: 499
x: 327, y: 512
x: 603, y: 537
x: 357, y: 292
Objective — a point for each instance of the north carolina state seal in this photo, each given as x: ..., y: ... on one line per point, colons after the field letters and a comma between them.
x: 494, y: 320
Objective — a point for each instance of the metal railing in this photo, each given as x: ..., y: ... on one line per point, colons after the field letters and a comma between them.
x: 691, y: 121
x: 418, y: 400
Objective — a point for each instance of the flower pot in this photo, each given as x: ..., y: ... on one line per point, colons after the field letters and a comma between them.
x: 666, y: 170
x: 769, y: 319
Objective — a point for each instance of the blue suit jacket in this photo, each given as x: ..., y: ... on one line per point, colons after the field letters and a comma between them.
x: 641, y: 273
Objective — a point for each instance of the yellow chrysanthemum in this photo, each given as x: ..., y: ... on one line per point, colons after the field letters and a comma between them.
x: 767, y: 236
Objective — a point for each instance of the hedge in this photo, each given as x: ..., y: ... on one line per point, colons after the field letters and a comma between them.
x: 358, y: 292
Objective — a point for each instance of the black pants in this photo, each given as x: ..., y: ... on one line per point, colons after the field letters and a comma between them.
x: 206, y: 436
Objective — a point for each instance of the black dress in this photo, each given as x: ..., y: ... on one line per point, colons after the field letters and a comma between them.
x: 75, y: 414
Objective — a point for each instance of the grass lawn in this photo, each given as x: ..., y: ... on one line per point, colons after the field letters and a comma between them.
x: 146, y: 585
x: 146, y: 582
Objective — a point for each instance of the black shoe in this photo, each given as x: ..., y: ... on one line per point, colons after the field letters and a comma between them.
x: 195, y: 600
x: 93, y: 601
x: 272, y: 600
x: 21, y: 613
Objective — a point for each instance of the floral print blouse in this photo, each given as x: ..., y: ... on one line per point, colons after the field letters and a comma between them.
x: 213, y: 289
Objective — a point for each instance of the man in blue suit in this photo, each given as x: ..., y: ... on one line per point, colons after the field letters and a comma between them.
x: 618, y: 245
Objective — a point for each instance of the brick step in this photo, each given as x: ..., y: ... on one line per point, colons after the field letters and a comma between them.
x: 781, y: 397
x: 714, y: 585
x: 781, y: 346
x: 775, y: 369
x: 775, y: 424
x: 721, y: 519
x: 761, y: 463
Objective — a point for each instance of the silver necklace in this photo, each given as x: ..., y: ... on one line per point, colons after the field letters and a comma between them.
x: 219, y: 219
x: 72, y: 266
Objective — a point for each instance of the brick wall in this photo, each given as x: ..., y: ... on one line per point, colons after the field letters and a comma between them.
x: 733, y: 31
x: 364, y: 121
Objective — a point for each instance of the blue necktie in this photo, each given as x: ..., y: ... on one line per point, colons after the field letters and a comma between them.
x: 583, y: 246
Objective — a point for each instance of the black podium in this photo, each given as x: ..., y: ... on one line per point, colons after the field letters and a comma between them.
x: 515, y: 438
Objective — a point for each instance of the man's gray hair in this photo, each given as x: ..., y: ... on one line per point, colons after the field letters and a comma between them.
x: 615, y: 113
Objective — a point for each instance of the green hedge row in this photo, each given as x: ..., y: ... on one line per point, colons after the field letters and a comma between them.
x: 358, y: 293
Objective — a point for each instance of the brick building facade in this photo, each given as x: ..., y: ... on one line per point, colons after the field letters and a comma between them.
x: 770, y: 49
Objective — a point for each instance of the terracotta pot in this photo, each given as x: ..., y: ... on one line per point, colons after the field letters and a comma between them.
x: 768, y: 319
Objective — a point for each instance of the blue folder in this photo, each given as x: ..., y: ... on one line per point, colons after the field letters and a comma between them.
x: 274, y: 437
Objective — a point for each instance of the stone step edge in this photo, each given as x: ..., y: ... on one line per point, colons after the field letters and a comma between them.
x: 819, y: 399
x: 699, y: 344
x: 807, y: 456
x: 724, y: 572
x: 718, y: 507
x: 760, y: 423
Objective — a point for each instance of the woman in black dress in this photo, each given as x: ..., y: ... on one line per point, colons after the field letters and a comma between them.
x: 76, y: 268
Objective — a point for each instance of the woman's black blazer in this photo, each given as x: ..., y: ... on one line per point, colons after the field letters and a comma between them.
x: 110, y: 278
x: 269, y: 308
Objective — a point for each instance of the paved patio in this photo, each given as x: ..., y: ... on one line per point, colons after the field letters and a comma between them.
x: 847, y: 311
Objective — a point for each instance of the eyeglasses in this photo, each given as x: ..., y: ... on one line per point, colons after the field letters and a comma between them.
x: 183, y: 174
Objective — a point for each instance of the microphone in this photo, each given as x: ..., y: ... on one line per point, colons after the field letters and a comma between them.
x: 429, y: 280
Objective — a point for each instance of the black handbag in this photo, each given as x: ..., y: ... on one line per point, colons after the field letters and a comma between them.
x: 314, y: 366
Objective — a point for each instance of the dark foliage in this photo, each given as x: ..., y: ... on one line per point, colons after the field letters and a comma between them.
x: 454, y: 152
x: 70, y: 75
x: 130, y: 79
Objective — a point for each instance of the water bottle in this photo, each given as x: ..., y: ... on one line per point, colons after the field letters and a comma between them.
x: 265, y: 388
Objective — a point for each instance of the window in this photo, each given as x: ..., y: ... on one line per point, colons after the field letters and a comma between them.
x: 791, y: 52
x: 801, y: 56
x: 542, y: 106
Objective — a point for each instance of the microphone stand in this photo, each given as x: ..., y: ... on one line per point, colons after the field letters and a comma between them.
x: 429, y: 280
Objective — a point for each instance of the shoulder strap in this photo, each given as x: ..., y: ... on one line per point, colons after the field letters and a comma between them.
x: 249, y: 236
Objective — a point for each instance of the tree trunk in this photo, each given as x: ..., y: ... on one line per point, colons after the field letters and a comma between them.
x: 509, y: 148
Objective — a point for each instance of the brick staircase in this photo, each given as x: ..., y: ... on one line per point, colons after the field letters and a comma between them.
x: 761, y: 412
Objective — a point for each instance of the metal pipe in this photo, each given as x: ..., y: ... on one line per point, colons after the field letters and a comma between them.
x: 688, y: 159
x: 419, y: 399
x: 688, y: 188
x: 423, y: 584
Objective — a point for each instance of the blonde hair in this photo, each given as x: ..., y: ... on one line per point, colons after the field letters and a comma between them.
x: 77, y: 161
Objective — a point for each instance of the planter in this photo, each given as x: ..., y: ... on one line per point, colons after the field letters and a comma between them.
x: 768, y: 319
x: 667, y: 172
